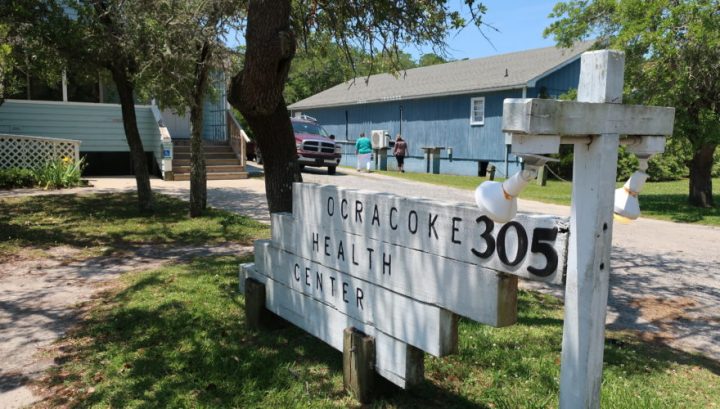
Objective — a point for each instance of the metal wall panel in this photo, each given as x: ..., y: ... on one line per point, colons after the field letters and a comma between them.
x: 442, y: 121
x: 98, y: 126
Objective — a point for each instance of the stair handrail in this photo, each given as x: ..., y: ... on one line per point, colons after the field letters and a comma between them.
x: 237, y: 137
x: 164, y: 150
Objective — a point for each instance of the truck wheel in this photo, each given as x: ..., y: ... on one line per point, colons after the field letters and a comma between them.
x: 331, y: 170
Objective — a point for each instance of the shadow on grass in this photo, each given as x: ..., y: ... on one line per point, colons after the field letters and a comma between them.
x: 114, y: 220
x: 677, y: 208
x: 176, y: 337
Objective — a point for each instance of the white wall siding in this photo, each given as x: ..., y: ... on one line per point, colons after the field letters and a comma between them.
x: 98, y: 126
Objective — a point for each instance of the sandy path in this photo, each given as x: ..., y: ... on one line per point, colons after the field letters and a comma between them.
x: 41, y: 299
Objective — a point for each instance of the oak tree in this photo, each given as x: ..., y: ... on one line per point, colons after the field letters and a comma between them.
x: 380, y: 28
x: 672, y: 50
x: 94, y: 36
x: 192, y: 35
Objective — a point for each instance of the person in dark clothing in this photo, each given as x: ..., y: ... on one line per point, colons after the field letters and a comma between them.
x: 400, y: 151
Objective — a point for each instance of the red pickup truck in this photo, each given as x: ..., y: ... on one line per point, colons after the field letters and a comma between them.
x: 315, y: 147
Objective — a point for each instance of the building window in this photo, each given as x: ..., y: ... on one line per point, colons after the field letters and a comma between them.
x: 477, y: 111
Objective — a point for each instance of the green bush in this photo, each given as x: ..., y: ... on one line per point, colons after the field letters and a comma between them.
x: 16, y: 177
x: 667, y: 167
x: 627, y: 164
x: 60, y: 173
x: 664, y: 167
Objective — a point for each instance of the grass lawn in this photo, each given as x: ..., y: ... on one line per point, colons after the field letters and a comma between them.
x: 176, y: 337
x: 658, y: 200
x: 104, y: 223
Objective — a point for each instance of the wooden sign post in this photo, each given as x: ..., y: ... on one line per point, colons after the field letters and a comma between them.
x: 594, y: 124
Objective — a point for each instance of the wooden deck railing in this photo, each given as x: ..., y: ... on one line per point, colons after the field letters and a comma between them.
x: 20, y: 151
x: 237, y: 137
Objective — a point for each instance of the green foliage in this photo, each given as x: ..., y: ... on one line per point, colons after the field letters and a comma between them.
x: 55, y: 174
x: 13, y: 178
x: 25, y: 50
x: 659, y: 200
x: 382, y: 29
x: 430, y: 59
x: 320, y: 64
x: 177, y: 337
x: 112, y: 222
x: 6, y: 62
x: 666, y: 167
x: 60, y: 173
x: 672, y: 53
x: 627, y: 164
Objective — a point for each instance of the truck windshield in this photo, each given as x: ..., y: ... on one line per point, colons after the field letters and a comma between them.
x: 309, y: 128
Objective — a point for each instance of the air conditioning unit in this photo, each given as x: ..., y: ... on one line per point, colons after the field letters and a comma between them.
x: 379, y: 139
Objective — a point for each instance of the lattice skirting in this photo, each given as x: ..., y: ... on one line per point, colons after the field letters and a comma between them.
x: 28, y: 152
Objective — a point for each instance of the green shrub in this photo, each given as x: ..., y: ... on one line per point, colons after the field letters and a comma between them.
x: 16, y: 177
x: 627, y: 164
x: 667, y: 167
x: 60, y: 173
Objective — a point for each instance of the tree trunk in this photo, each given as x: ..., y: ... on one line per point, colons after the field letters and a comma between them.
x: 198, y: 168
x: 272, y: 133
x: 701, y: 176
x: 257, y: 93
x: 137, y: 152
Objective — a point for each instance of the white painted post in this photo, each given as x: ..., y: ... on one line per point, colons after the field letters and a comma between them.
x: 64, y: 86
x: 586, y: 290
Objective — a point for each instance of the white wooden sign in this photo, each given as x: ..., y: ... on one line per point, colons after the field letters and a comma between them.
x: 399, y: 269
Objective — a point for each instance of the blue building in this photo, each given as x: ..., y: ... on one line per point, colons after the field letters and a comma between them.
x: 457, y: 105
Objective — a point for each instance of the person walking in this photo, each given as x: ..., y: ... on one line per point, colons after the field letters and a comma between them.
x: 363, y: 148
x: 400, y: 151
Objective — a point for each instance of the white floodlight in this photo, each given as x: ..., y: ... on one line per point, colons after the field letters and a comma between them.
x: 627, y: 205
x: 499, y: 200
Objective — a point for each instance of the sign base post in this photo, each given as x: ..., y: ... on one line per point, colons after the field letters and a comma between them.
x: 256, y: 315
x: 359, y: 364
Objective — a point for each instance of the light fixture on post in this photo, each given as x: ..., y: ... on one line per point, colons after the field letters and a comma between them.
x: 627, y: 205
x: 499, y: 200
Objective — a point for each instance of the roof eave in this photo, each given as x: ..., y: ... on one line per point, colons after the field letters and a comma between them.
x: 533, y: 82
x: 519, y: 85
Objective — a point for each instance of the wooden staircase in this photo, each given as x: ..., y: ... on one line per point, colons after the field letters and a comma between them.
x: 221, y: 161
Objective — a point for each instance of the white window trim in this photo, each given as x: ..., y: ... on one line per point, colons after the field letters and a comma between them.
x: 472, y: 106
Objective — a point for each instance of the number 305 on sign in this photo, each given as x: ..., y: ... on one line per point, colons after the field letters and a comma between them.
x: 519, y: 249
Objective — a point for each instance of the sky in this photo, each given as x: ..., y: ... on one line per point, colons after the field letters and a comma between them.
x: 520, y: 24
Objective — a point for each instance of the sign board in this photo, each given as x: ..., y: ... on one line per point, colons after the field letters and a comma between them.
x: 399, y: 269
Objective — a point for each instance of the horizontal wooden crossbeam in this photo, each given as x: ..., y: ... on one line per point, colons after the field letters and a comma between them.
x: 553, y: 117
